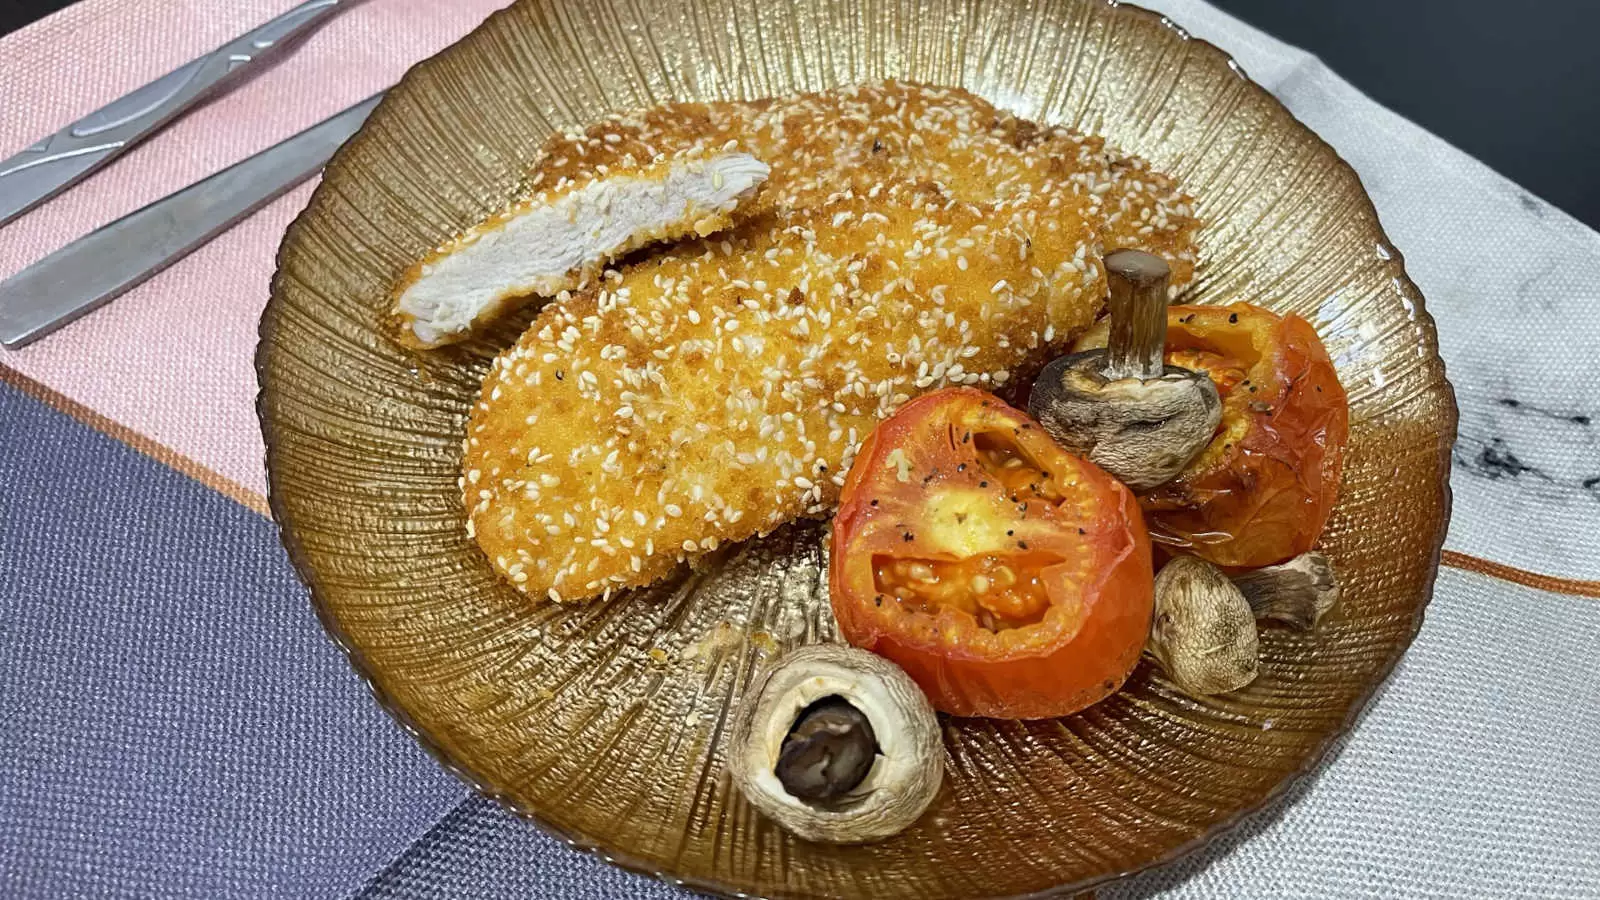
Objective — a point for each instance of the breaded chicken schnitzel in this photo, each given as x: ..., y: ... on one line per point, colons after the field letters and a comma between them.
x: 849, y: 139
x: 589, y: 198
x: 720, y: 388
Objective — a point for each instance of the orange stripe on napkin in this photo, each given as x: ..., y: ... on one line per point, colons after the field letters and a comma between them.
x: 240, y: 494
x: 1523, y: 577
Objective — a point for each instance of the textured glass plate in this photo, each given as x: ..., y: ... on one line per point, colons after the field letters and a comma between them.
x: 609, y: 722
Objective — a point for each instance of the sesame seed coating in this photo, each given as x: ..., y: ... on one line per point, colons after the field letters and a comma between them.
x: 908, y: 238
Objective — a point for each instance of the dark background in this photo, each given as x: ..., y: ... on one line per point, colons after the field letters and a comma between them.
x: 1516, y: 84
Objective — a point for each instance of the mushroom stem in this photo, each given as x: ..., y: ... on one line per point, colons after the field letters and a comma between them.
x: 1138, y: 306
x: 827, y: 752
x: 1296, y: 593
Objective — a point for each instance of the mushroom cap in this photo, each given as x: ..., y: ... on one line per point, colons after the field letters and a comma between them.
x: 1204, y: 632
x: 1142, y: 432
x: 903, y: 779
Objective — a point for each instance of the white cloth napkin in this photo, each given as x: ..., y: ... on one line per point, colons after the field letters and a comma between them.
x: 1476, y: 772
x: 1513, y: 284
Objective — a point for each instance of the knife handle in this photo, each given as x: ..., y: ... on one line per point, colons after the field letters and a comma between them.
x: 62, y: 159
x: 105, y: 263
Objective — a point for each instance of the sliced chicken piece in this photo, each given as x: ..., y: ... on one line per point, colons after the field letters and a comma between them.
x: 847, y: 140
x: 558, y: 239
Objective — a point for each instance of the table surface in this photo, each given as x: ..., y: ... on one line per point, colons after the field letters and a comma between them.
x: 1512, y: 89
x: 174, y: 722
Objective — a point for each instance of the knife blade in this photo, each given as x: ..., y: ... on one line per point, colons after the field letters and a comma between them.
x: 59, y: 161
x: 110, y: 260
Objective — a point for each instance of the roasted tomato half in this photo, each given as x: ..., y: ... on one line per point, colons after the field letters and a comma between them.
x: 1262, y: 490
x: 1008, y: 577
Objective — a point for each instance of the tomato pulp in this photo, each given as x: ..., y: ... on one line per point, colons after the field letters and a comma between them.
x: 1008, y: 577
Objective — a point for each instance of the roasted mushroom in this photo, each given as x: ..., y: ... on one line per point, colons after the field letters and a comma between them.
x: 1296, y: 593
x: 1122, y: 407
x: 838, y: 745
x: 1204, y: 632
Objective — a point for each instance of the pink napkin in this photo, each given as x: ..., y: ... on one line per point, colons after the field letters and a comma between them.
x: 171, y: 361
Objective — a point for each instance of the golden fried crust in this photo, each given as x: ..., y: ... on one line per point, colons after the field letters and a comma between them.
x: 849, y: 139
x: 1146, y: 210
x: 715, y: 392
x: 718, y: 389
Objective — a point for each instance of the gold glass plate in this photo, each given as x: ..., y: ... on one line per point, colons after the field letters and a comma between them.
x: 609, y: 722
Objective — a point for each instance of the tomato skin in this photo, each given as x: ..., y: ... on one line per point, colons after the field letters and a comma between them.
x: 1263, y: 491
x: 1101, y: 593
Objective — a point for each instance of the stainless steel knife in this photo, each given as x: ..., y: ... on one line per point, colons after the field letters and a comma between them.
x: 62, y: 159
x: 104, y: 263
